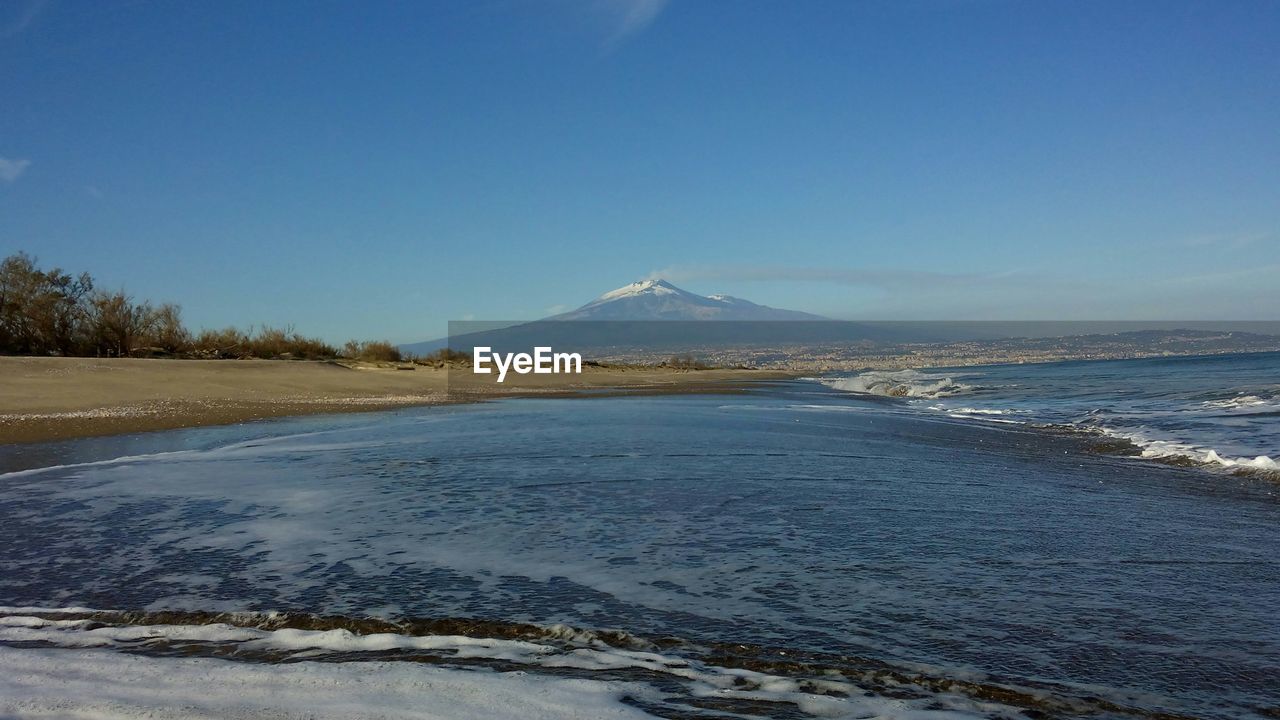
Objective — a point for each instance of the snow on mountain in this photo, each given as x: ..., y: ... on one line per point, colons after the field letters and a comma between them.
x: 660, y: 300
x: 654, y: 287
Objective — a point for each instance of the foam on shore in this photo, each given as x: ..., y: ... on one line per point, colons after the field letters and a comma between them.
x: 58, y: 662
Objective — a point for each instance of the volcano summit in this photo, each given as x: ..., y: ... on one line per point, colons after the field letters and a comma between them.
x: 660, y: 300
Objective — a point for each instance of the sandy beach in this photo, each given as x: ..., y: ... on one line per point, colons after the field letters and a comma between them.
x: 50, y: 398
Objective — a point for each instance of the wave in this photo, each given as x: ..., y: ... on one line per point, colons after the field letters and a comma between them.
x: 1168, y: 452
x: 976, y: 411
x: 1138, y: 429
x: 1244, y: 401
x: 900, y: 384
x: 186, y: 652
x: 1235, y: 402
x: 984, y: 414
x: 1186, y: 453
x: 1134, y: 442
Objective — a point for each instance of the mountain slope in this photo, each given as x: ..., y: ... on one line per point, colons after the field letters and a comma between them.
x: 629, y: 307
x: 660, y: 300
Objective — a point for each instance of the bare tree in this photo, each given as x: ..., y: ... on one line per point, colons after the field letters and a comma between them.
x: 167, y: 331
x: 117, y: 324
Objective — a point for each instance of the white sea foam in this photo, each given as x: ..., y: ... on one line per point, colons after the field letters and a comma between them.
x: 983, y: 414
x: 1243, y: 402
x: 828, y: 408
x: 1154, y: 448
x: 1259, y: 462
x: 109, y: 685
x: 95, y: 463
x: 900, y: 383
x: 82, y: 676
x: 255, y: 447
x: 962, y: 416
x: 972, y: 411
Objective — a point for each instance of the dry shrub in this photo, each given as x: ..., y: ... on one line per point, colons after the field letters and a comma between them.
x: 372, y: 350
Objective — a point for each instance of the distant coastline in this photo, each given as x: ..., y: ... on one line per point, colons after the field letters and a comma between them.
x: 846, y: 357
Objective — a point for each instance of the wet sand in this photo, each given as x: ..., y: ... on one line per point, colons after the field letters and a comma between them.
x: 58, y: 398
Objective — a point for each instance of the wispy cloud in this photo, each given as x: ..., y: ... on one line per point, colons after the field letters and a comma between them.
x: 634, y: 15
x: 888, y: 279
x: 1028, y: 294
x: 1233, y: 241
x: 19, y: 17
x: 617, y: 20
x: 1236, y: 275
x: 11, y: 170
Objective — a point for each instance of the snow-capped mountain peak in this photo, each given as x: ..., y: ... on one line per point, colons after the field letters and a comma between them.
x: 657, y: 299
x: 640, y: 287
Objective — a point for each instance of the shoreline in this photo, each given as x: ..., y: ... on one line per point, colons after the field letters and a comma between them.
x: 45, y: 399
x: 506, y: 642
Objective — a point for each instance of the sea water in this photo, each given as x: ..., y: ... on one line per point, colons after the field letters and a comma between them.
x: 853, y: 546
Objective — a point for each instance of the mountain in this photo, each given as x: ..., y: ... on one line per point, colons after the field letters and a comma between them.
x: 660, y: 300
x: 629, y: 308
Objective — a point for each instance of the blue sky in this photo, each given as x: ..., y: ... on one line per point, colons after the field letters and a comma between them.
x: 376, y: 169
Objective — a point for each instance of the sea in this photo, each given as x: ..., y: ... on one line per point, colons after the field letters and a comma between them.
x: 1082, y: 539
